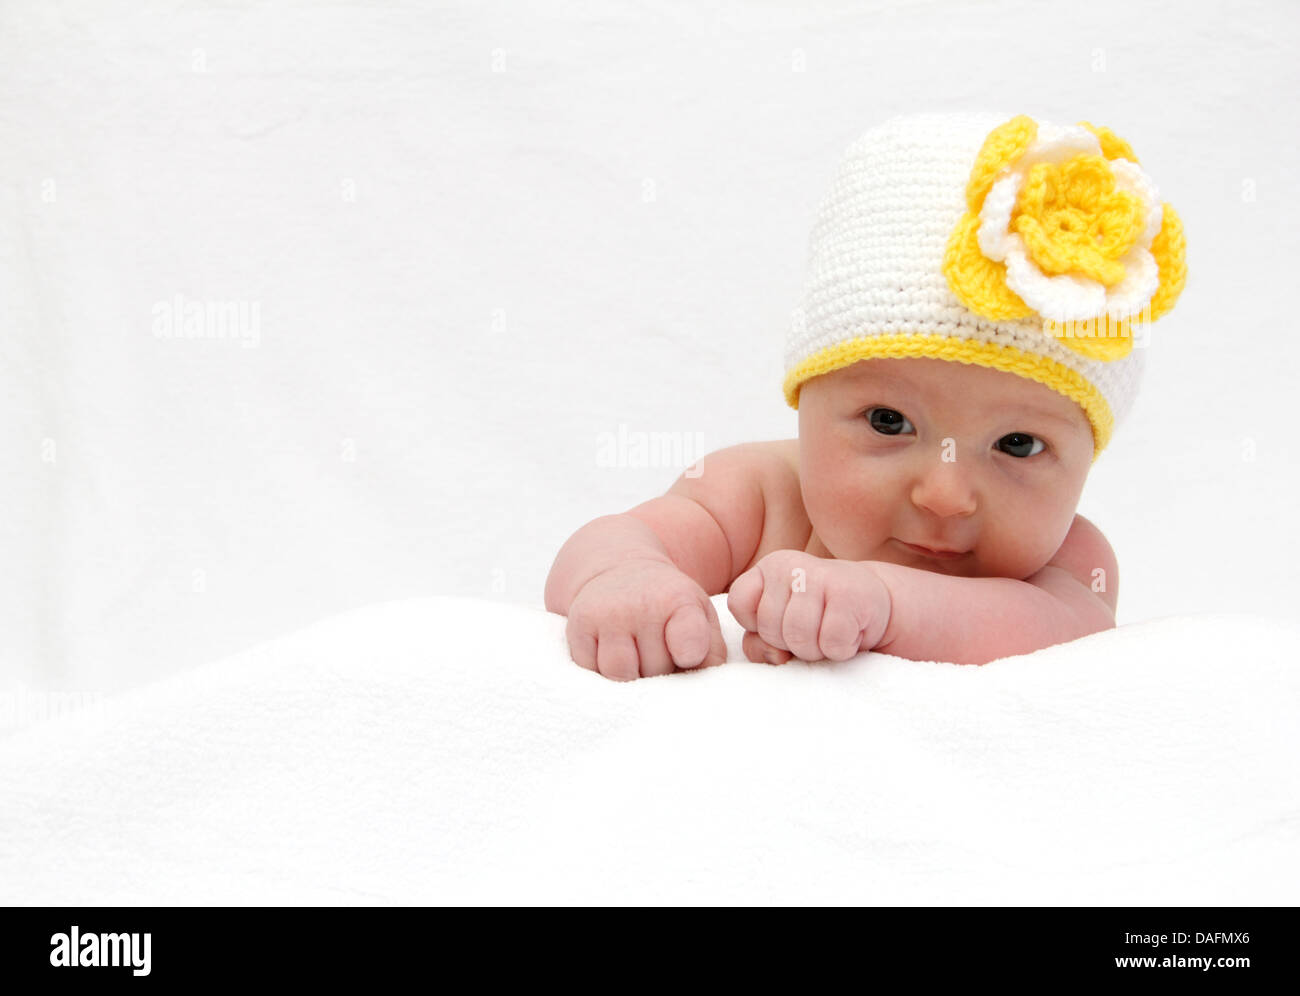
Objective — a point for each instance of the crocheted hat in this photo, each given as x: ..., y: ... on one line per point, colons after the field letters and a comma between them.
x: 1040, y: 249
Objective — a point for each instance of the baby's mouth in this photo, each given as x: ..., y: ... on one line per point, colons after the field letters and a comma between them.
x: 926, y: 551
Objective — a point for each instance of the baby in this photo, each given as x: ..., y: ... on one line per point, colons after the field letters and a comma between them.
x: 973, y: 327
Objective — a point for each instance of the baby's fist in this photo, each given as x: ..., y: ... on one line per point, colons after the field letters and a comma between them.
x: 814, y: 608
x: 642, y: 618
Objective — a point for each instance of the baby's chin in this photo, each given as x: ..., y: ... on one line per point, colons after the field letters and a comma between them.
x: 965, y: 566
x: 975, y: 563
x: 890, y: 552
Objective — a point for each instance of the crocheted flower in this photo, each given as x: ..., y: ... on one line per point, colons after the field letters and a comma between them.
x: 1062, y: 222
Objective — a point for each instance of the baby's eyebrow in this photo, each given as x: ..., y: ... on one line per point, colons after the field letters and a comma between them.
x: 873, y: 380
x: 1042, y: 413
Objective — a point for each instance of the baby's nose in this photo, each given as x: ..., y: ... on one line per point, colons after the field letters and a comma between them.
x: 945, y: 490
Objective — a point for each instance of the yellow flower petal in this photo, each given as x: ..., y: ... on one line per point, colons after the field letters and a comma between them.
x: 979, y: 282
x: 1005, y: 144
x: 1112, y: 146
x: 1170, y: 250
x: 1074, y: 219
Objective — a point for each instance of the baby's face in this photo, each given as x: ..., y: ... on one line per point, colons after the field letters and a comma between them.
x: 945, y: 455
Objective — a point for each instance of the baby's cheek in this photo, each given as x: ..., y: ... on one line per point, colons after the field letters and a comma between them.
x: 844, y: 510
x: 1015, y: 555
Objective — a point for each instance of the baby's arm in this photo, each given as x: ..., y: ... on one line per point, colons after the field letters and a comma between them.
x: 934, y: 617
x: 976, y: 620
x: 708, y: 526
x: 636, y: 586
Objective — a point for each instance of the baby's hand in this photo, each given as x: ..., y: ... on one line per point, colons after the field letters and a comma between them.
x: 643, y: 618
x: 794, y: 604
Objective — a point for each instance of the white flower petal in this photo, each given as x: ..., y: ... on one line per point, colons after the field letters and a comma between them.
x: 1133, y: 178
x: 1056, y: 143
x: 1141, y: 279
x: 1061, y: 298
x: 995, y: 216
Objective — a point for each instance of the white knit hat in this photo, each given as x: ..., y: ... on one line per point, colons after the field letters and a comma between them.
x: 1038, y: 249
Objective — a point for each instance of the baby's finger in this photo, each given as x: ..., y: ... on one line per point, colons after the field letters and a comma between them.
x: 652, y: 653
x: 757, y: 649
x: 616, y: 657
x: 687, y: 636
x: 742, y: 598
x: 802, y: 623
x: 582, y: 645
x: 717, y: 645
x: 841, y: 636
x: 771, y: 611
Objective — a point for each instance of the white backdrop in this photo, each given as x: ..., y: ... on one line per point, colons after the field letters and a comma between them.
x: 465, y: 245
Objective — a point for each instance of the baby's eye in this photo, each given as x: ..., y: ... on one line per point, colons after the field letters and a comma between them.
x: 1021, y: 444
x: 887, y: 421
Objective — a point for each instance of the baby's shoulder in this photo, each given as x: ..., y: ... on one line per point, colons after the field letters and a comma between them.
x: 779, y: 456
x: 785, y: 520
x: 788, y: 450
x: 1087, y: 556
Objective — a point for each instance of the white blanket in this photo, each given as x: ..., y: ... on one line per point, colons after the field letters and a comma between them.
x: 447, y: 750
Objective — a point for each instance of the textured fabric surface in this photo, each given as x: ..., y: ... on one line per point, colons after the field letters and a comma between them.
x: 447, y: 751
